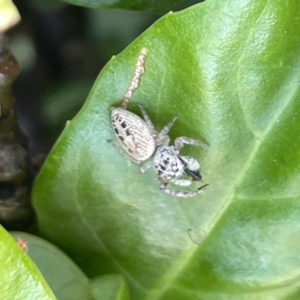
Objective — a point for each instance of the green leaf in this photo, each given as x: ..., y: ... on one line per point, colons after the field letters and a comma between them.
x: 155, y: 6
x: 230, y: 70
x: 20, y: 278
x: 65, y: 278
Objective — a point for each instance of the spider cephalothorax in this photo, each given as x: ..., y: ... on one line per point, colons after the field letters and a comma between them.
x: 170, y: 167
x: 141, y: 141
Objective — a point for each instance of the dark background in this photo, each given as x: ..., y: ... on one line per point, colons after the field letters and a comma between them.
x: 62, y: 48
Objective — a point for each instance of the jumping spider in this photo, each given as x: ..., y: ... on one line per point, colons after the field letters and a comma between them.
x: 141, y: 141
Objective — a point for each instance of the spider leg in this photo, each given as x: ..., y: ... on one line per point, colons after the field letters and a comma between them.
x: 138, y: 72
x: 181, y: 194
x: 180, y: 141
x: 123, y: 153
x: 163, y: 138
x: 167, y: 128
x: 146, y: 166
x: 147, y: 119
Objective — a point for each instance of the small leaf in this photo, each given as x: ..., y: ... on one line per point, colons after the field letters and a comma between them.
x: 230, y: 70
x: 64, y: 277
x: 20, y: 278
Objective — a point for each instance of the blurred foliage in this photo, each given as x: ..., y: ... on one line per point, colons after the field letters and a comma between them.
x: 15, y: 175
x: 59, y: 48
x: 59, y: 45
x: 156, y: 6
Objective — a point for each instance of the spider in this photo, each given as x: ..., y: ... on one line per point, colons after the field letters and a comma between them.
x: 22, y: 244
x: 141, y: 141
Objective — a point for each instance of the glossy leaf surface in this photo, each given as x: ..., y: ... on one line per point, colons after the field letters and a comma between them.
x: 20, y: 278
x: 230, y: 70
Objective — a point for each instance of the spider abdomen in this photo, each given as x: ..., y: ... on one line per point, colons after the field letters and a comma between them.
x: 133, y: 134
